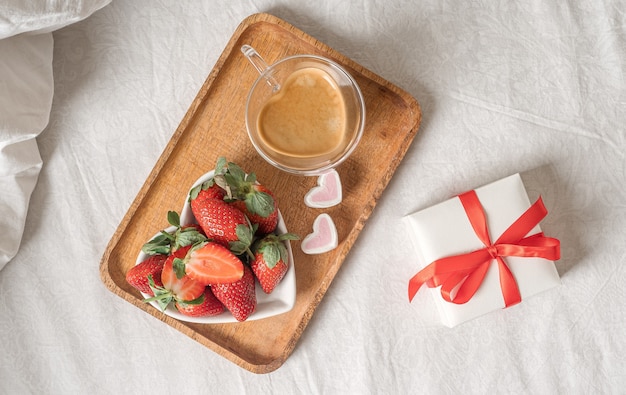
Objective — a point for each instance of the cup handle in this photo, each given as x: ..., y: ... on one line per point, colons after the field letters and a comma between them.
x: 260, y: 65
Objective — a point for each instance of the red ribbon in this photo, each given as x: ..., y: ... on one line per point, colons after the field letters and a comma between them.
x: 465, y: 272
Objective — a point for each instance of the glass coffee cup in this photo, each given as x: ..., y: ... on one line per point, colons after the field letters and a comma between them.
x: 304, y: 114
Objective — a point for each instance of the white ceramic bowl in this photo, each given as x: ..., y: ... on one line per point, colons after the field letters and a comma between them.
x: 281, y: 300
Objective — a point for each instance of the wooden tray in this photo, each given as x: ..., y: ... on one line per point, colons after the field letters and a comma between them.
x: 214, y: 126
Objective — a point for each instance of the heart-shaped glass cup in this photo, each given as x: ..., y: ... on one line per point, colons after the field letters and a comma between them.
x: 305, y: 114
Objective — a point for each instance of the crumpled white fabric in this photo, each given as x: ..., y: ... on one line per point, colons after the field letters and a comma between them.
x: 43, y: 16
x: 27, y: 86
x: 26, y: 91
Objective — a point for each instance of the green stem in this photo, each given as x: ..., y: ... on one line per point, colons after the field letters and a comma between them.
x: 250, y: 254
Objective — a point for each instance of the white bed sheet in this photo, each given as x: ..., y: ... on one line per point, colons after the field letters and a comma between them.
x: 533, y: 88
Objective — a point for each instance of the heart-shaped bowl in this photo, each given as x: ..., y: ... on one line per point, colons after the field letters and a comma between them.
x: 281, y: 300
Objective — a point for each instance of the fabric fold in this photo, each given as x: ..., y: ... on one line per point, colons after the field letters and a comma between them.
x: 26, y: 90
x: 16, y: 192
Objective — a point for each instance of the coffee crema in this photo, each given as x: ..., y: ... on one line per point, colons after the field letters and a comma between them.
x: 306, y: 118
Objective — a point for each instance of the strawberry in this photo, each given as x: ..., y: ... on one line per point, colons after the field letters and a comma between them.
x: 208, y: 307
x: 270, y: 263
x: 223, y: 223
x: 250, y: 197
x: 212, y: 263
x: 266, y: 224
x: 166, y: 243
x: 137, y: 276
x: 207, y: 190
x: 176, y: 286
x: 238, y: 297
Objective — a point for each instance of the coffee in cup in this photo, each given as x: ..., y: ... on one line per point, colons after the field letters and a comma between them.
x: 305, y: 114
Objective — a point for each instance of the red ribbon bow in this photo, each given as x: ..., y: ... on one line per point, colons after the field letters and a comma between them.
x: 465, y: 272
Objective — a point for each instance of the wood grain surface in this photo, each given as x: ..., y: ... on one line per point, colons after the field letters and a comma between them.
x: 214, y: 126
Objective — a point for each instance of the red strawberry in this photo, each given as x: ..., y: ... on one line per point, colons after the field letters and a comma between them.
x: 238, y: 297
x: 137, y: 276
x: 208, y: 307
x: 223, y: 223
x: 254, y: 199
x: 207, y: 190
x: 212, y: 263
x: 254, y: 203
x: 176, y: 286
x: 270, y: 262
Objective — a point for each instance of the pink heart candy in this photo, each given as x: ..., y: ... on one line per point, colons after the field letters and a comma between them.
x: 324, y: 237
x: 327, y: 193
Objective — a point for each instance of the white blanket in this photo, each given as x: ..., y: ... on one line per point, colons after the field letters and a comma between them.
x: 26, y: 90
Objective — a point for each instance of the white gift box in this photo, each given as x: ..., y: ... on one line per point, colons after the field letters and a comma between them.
x: 444, y: 230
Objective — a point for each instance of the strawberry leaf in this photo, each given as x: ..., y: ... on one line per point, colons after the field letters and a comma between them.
x: 221, y: 166
x: 189, y: 236
x: 237, y: 247
x: 274, y: 249
x: 288, y: 236
x: 161, y: 244
x: 236, y: 172
x: 179, y: 267
x: 220, y: 180
x: 193, y: 193
x: 196, y: 301
x: 245, y: 233
x: 271, y: 254
x: 173, y: 218
x: 284, y: 254
x: 260, y: 203
x: 251, y: 178
x: 245, y: 237
x: 162, y: 296
x: 232, y: 181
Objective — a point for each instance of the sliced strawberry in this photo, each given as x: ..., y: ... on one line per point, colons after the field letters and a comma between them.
x: 175, y: 288
x: 212, y: 263
x: 208, y: 306
x: 183, y: 288
x: 238, y: 297
x: 137, y: 276
x: 270, y: 263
